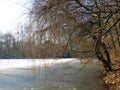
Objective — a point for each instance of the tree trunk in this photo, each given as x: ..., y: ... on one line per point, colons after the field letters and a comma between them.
x: 106, y: 61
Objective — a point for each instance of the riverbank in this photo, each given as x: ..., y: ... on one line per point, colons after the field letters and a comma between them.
x: 112, y: 79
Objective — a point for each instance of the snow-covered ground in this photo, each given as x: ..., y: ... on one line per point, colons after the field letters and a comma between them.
x: 21, y: 63
x: 49, y: 74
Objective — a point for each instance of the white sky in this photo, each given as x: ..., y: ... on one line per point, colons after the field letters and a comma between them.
x: 10, y: 12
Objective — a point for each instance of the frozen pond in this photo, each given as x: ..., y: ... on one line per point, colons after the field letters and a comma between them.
x: 49, y: 74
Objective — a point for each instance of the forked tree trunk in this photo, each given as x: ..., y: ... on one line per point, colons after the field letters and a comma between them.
x: 106, y: 61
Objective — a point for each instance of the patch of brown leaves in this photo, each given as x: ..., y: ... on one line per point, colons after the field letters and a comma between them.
x: 112, y: 79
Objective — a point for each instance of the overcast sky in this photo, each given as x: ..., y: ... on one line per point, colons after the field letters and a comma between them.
x: 10, y: 12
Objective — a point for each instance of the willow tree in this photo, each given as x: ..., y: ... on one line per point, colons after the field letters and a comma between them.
x: 64, y: 20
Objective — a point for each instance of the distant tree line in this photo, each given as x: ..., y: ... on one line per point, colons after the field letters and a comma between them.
x: 26, y: 44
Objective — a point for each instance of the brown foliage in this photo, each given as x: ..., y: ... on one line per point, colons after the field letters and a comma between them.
x: 112, y: 79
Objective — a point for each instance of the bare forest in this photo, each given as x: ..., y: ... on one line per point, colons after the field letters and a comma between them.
x: 67, y: 28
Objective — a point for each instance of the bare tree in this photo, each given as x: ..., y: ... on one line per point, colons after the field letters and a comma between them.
x: 66, y: 20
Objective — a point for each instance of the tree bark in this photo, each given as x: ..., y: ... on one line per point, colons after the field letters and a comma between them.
x: 106, y: 61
